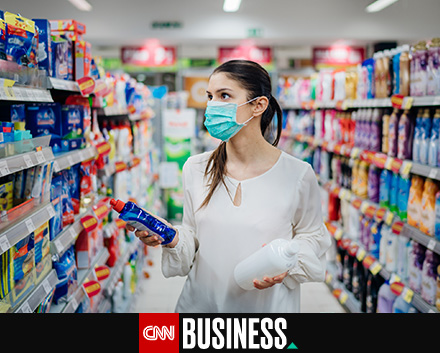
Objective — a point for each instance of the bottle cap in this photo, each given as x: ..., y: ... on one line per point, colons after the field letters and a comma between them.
x: 117, y: 205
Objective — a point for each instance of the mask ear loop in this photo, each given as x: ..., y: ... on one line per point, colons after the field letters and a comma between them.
x: 252, y: 115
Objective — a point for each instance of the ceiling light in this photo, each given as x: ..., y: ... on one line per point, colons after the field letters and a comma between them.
x: 82, y: 5
x: 231, y: 5
x: 379, y: 5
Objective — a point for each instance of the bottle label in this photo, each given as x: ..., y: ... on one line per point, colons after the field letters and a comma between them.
x: 142, y: 227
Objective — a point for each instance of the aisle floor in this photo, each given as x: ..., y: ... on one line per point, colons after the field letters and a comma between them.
x: 158, y: 294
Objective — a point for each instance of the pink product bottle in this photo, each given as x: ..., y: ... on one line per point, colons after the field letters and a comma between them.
x: 393, y: 133
x: 419, y: 70
x: 405, y: 136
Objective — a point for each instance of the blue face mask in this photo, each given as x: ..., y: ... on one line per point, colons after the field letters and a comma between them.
x: 221, y: 119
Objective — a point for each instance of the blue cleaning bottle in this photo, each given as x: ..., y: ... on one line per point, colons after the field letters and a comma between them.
x: 142, y: 220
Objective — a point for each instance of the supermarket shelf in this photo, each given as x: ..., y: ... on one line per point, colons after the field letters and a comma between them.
x: 375, y: 267
x: 420, y: 237
x: 67, y: 237
x: 63, y: 85
x: 39, y: 293
x: 78, y: 296
x: 116, y: 271
x: 68, y: 159
x: 365, y: 103
x: 345, y: 297
x: 22, y: 161
x: 25, y: 94
x: 379, y: 159
x: 25, y: 225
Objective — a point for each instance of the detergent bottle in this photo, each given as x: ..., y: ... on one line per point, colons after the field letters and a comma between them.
x: 142, y: 220
x: 277, y: 257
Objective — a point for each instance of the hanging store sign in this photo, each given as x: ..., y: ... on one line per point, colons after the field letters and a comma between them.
x: 149, y: 56
x: 261, y: 55
x: 337, y: 56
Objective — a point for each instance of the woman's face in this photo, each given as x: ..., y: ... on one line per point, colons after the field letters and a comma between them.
x: 223, y: 89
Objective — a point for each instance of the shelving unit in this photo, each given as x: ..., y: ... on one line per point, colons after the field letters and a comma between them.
x: 367, y: 208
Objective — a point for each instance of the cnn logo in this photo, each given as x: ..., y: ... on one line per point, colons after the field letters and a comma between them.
x: 153, y: 333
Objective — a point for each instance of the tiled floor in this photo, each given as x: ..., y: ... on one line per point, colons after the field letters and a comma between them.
x: 158, y: 294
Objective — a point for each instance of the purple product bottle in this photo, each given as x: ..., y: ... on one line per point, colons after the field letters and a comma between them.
x: 385, y: 299
x: 405, y: 136
x: 393, y: 132
x: 429, y: 276
x: 376, y: 131
x: 415, y: 265
x: 373, y: 183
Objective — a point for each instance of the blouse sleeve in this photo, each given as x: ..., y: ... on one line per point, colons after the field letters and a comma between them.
x: 178, y: 261
x: 310, y: 233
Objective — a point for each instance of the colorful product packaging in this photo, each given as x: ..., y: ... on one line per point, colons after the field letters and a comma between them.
x: 427, y: 219
x: 60, y: 52
x: 45, y: 119
x: 20, y: 34
x: 56, y: 222
x: 44, y: 45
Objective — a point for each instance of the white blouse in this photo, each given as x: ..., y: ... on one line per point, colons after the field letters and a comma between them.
x: 283, y: 202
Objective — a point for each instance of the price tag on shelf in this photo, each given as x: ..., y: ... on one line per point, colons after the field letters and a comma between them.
x: 432, y: 173
x: 406, y: 168
x: 431, y: 244
x: 4, y: 244
x: 4, y: 170
x: 30, y: 225
x: 51, y: 211
x: 389, y: 218
x: 338, y: 234
x: 389, y: 163
x: 408, y: 102
x: 361, y: 254
x: 375, y: 268
x: 343, y: 298
x: 70, y: 160
x: 73, y: 233
x: 46, y: 286
x: 40, y: 157
x: 58, y: 245
x: 26, y: 308
x: 407, y: 295
x: 28, y: 161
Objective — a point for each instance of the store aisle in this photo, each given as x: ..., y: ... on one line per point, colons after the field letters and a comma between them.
x: 158, y: 294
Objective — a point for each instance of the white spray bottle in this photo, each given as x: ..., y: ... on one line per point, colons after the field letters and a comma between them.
x: 277, y: 257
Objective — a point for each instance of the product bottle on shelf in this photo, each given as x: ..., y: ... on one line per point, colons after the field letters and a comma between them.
x: 406, y: 131
x: 433, y: 69
x: 385, y: 299
x: 385, y: 131
x: 435, y: 140
x: 415, y: 200
x: 417, y: 136
x: 429, y: 277
x: 396, y: 70
x: 404, y: 70
x: 425, y: 137
x: 393, y: 133
x: 427, y: 219
x: 277, y: 257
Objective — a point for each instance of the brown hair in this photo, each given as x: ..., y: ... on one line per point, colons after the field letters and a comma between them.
x: 256, y: 81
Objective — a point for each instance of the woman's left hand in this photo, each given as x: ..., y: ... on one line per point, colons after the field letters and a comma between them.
x: 269, y: 282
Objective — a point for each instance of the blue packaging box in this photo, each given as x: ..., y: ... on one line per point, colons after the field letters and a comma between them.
x: 44, y: 45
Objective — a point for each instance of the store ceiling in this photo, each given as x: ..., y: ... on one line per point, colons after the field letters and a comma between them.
x: 280, y: 22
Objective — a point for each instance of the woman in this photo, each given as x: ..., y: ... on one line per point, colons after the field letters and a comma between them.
x: 239, y: 197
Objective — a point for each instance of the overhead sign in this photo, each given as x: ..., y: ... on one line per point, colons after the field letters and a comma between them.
x: 261, y: 55
x: 337, y: 56
x: 149, y: 56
